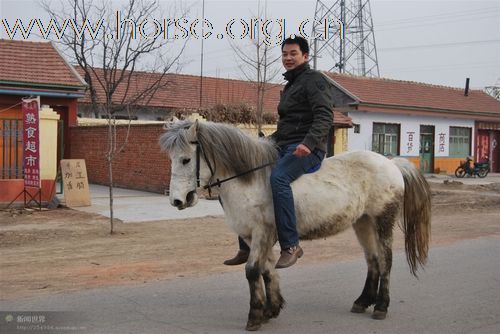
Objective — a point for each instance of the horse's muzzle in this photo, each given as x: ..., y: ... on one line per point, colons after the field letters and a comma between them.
x: 190, y: 201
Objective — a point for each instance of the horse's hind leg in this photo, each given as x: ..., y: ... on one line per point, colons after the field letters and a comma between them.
x: 368, y: 238
x: 385, y: 225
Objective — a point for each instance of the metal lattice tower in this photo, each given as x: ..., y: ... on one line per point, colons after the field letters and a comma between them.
x: 494, y: 90
x: 356, y: 52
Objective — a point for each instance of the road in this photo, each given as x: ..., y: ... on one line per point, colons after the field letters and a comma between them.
x: 132, y: 206
x: 457, y: 293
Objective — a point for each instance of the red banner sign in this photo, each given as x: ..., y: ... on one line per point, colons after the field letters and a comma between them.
x: 31, y: 142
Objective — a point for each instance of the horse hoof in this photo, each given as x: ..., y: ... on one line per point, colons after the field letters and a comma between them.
x: 358, y: 308
x: 271, y: 313
x: 252, y: 327
x: 379, y: 315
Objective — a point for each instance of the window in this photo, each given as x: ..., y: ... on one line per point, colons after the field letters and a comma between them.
x: 385, y: 138
x: 460, y: 141
x: 11, y: 158
x: 356, y: 128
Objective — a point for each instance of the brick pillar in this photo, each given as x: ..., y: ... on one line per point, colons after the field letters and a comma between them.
x: 48, y: 143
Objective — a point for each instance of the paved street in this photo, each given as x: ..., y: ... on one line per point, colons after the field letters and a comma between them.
x: 131, y: 206
x: 458, y: 293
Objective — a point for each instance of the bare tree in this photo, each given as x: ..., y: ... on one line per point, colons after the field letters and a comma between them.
x: 115, y: 58
x: 259, y: 64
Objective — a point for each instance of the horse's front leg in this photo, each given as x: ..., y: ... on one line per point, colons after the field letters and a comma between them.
x: 254, y: 269
x: 275, y: 301
x: 257, y: 297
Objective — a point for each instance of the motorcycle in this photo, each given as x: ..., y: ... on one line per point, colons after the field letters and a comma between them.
x: 480, y: 169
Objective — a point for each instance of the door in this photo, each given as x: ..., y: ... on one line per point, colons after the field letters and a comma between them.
x: 495, y: 152
x: 483, y: 145
x: 426, y: 148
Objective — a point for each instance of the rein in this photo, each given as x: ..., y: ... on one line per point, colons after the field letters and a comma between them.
x: 210, y: 185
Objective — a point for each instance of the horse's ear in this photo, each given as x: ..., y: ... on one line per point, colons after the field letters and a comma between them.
x: 168, y: 124
x: 193, y: 131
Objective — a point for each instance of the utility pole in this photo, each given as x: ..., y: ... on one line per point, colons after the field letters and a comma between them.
x: 346, y: 42
x: 201, y: 52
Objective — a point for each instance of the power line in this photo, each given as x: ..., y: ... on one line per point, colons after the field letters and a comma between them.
x: 448, y: 66
x: 440, y: 68
x: 427, y: 24
x: 440, y: 45
x: 439, y: 16
x: 11, y: 107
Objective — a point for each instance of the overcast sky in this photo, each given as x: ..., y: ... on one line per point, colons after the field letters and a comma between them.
x: 438, y: 42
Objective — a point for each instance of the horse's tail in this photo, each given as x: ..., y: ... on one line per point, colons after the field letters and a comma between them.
x: 416, y: 223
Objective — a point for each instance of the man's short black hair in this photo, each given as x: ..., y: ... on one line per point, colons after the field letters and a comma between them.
x: 301, y: 41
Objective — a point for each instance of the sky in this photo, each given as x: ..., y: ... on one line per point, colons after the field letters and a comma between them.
x: 436, y: 42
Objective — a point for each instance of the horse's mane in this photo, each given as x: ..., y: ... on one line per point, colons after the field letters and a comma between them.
x: 230, y: 150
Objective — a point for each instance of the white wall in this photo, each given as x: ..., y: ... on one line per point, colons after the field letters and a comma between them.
x: 410, y: 131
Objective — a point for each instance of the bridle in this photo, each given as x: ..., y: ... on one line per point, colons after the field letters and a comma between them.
x: 210, y: 185
x: 199, y: 151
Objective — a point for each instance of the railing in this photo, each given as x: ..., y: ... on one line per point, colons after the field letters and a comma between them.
x: 11, y: 142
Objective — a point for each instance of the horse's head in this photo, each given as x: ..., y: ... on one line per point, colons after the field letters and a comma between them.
x: 203, y: 152
x: 180, y: 143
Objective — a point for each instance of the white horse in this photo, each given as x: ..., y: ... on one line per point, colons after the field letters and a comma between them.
x: 360, y: 189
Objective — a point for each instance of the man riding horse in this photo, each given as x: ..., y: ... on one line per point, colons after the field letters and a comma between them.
x: 305, y: 118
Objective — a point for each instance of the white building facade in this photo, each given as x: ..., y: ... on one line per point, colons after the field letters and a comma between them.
x: 408, y: 136
x: 434, y: 127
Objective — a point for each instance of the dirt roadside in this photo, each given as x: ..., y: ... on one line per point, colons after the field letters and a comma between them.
x: 66, y: 250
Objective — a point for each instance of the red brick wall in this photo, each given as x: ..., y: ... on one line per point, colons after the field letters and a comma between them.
x: 140, y: 166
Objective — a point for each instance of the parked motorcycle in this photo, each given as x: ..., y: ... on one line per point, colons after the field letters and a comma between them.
x: 480, y: 169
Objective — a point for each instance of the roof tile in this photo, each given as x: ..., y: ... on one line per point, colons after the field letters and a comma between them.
x: 35, y: 63
x: 183, y: 91
x: 415, y: 94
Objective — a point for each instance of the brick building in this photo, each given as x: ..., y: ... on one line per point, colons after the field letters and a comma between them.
x: 32, y: 69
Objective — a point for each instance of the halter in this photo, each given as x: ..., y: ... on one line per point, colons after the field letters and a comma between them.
x: 210, y: 185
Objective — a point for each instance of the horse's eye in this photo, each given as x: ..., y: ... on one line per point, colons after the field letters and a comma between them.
x: 185, y: 161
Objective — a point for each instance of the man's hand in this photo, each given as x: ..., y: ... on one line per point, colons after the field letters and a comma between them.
x: 302, y: 151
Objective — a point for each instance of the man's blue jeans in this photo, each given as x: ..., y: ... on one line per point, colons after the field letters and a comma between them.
x: 287, y: 169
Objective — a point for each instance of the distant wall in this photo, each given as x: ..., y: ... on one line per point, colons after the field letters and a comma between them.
x: 140, y: 166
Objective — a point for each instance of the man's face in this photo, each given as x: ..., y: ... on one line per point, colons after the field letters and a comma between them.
x: 291, y: 56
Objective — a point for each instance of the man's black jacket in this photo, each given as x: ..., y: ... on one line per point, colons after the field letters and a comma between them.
x: 305, y: 109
